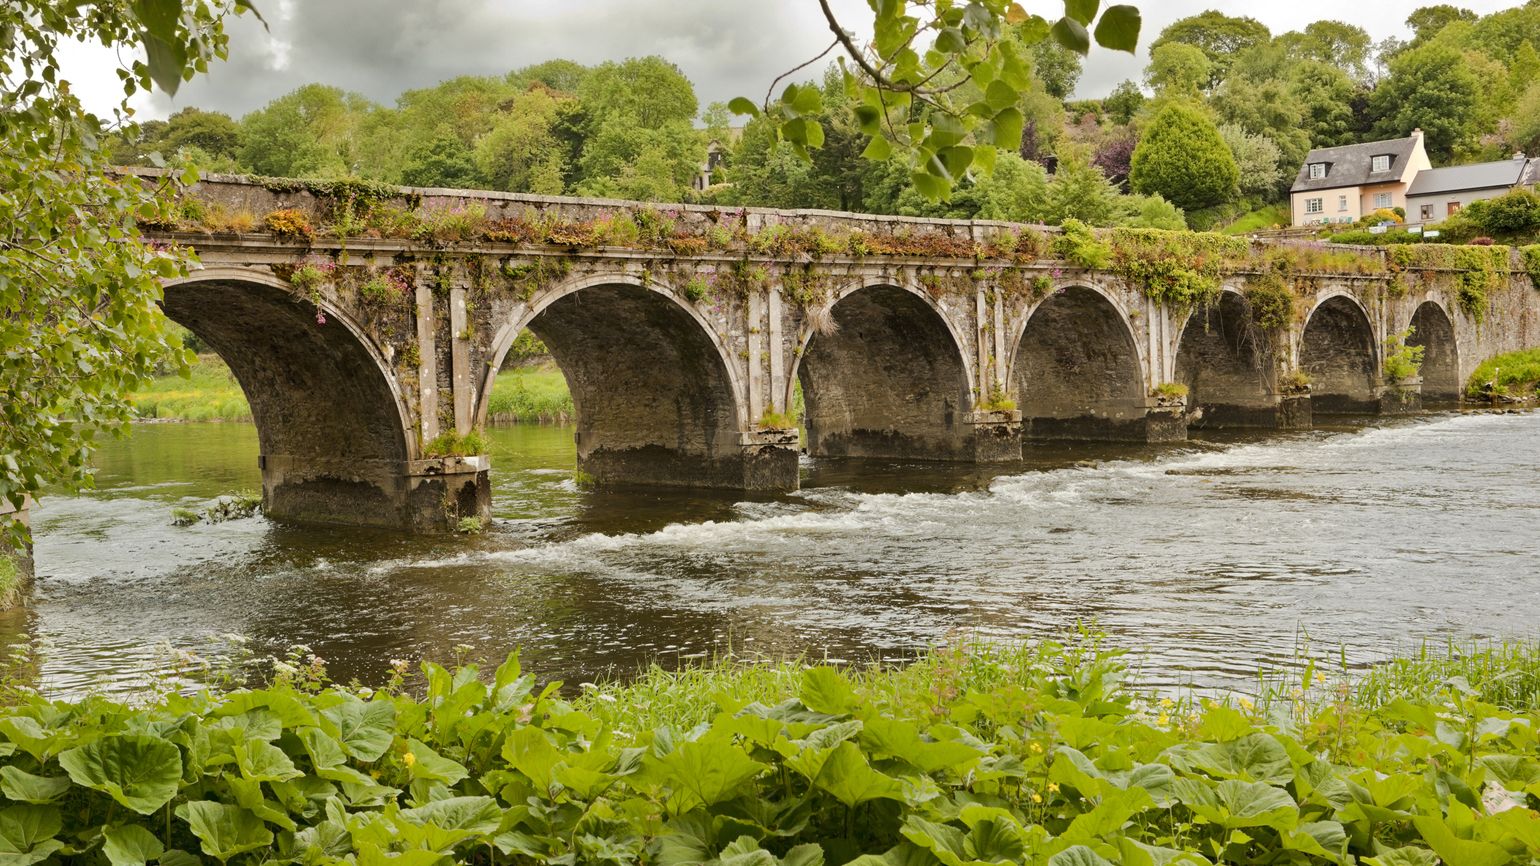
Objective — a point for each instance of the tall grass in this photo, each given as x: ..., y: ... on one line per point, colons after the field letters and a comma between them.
x: 1513, y: 373
x: 209, y: 393
x: 530, y: 395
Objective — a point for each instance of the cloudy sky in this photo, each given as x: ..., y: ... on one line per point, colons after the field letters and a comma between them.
x: 727, y: 47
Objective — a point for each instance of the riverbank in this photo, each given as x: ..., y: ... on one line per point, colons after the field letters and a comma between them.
x: 532, y: 394
x: 1512, y: 375
x: 978, y: 753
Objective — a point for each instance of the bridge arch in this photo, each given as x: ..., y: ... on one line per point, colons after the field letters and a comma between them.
x: 657, y: 397
x: 335, y: 433
x: 1077, y: 369
x: 1224, y: 361
x: 1432, y: 328
x: 1339, y: 353
x: 884, y: 373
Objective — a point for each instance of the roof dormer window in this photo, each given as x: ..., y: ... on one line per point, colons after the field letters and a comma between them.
x: 1317, y: 170
x: 1380, y: 162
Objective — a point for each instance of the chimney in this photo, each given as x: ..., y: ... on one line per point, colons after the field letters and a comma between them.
x: 1520, y: 156
x: 1417, y: 133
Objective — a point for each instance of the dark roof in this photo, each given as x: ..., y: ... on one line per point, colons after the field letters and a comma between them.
x: 1348, y: 165
x: 1459, y: 178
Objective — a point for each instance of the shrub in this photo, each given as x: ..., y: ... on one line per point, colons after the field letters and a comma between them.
x: 1169, y: 392
x: 1402, y: 362
x: 1294, y: 382
x: 1508, y: 373
x: 1530, y: 256
x: 469, y: 526
x: 1182, y: 158
x: 1514, y: 212
x: 289, y: 224
x: 1078, y: 245
x: 1482, y: 242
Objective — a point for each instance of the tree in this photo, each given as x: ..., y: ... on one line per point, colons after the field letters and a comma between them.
x: 1268, y: 108
x: 1429, y: 88
x: 214, y: 132
x: 522, y: 152
x: 1428, y: 21
x: 1183, y: 159
x: 1124, y: 102
x: 1150, y: 212
x: 562, y: 76
x: 1017, y: 191
x: 1057, y: 67
x: 1115, y: 155
x: 1220, y: 37
x: 1256, y: 158
x: 624, y: 160
x: 1178, y: 70
x: 442, y: 161
x: 1080, y: 191
x: 1325, y: 95
x: 649, y: 90
x: 1525, y: 121
x: 309, y: 132
x: 1344, y: 46
x: 79, y: 325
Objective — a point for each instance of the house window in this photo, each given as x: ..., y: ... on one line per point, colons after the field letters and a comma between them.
x: 1427, y: 212
x: 1382, y: 199
x: 1314, y: 205
x: 1317, y: 170
x: 1454, y: 208
x: 1341, y: 202
x: 1380, y: 163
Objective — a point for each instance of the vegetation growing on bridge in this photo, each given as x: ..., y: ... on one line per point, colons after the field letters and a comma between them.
x: 975, y: 754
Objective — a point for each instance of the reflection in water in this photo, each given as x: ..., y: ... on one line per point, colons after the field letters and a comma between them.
x: 1209, y: 557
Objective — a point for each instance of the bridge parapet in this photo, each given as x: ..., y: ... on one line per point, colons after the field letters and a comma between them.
x: 379, y: 316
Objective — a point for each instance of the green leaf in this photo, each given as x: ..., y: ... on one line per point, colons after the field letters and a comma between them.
x: 1078, y: 855
x: 806, y: 99
x: 365, y: 729
x: 825, y: 690
x: 1000, y: 95
x: 1083, y: 11
x: 166, y: 61
x: 743, y: 105
x: 1008, y: 127
x: 430, y: 765
x: 131, y: 845
x: 1455, y: 851
x: 23, y: 787
x: 1072, y: 35
x: 950, y: 41
x: 224, y: 831
x: 1254, y: 758
x: 877, y: 149
x: 708, y: 770
x: 1408, y: 855
x: 26, y: 834
x: 847, y: 775
x: 264, y: 762
x: 159, y: 17
x: 1233, y: 804
x: 1119, y: 29
x: 142, y: 773
x: 955, y: 160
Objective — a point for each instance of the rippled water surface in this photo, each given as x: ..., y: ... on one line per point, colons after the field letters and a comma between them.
x: 1209, y: 558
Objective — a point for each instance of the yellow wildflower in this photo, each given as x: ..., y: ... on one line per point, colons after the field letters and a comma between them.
x: 1036, y: 747
x: 1164, y: 720
x: 1053, y: 787
x: 1036, y: 797
x: 1246, y: 704
x: 409, y: 759
x: 1167, y: 703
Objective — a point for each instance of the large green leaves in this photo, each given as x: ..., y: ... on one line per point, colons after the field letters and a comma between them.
x: 131, y: 845
x: 224, y: 831
x: 140, y: 772
x: 363, y: 728
x: 1234, y: 804
x: 27, y: 834
x: 707, y: 771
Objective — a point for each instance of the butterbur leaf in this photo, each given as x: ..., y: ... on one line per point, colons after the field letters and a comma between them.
x: 364, y: 728
x: 825, y: 690
x: 809, y: 854
x: 1078, y: 855
x: 475, y: 816
x: 1119, y: 28
x: 140, y: 772
x: 708, y: 770
x: 1409, y: 855
x: 429, y: 765
x: 130, y: 845
x: 852, y: 781
x: 1455, y: 851
x: 224, y: 831
x: 996, y: 839
x: 26, y: 834
x: 1254, y: 758
x: 23, y: 787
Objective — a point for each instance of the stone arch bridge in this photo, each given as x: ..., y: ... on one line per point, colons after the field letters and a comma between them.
x: 366, y: 325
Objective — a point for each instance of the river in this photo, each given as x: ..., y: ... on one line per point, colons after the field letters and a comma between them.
x: 1209, y: 558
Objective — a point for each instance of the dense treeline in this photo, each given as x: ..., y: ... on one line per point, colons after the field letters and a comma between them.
x: 1220, y: 123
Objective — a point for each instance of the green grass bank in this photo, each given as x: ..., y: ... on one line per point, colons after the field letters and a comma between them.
x: 973, y: 755
x: 533, y: 394
x: 1512, y: 374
